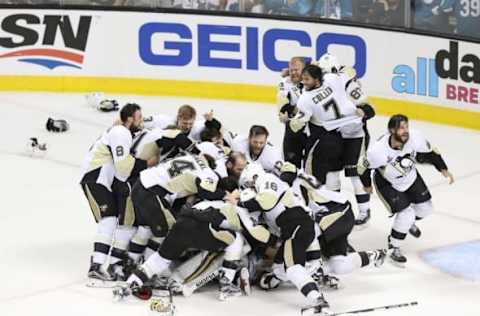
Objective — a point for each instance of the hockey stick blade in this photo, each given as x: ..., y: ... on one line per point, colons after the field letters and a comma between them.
x: 373, y: 309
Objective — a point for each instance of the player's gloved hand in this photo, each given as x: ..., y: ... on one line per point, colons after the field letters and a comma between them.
x: 447, y: 174
x: 436, y: 10
x: 121, y: 188
x: 360, y: 112
x: 108, y: 106
x: 57, y: 126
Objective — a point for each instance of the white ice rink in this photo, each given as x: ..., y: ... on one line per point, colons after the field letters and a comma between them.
x: 47, y: 228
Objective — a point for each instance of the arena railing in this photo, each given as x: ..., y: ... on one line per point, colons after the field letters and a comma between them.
x: 455, y: 19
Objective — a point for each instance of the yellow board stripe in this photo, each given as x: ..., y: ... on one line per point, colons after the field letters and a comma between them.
x: 195, y: 89
x: 228, y: 91
x: 427, y: 112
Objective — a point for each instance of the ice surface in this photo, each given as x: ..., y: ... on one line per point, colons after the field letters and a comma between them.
x: 47, y: 229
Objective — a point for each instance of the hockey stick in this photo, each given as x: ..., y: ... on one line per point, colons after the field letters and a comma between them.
x: 112, y: 243
x: 373, y: 309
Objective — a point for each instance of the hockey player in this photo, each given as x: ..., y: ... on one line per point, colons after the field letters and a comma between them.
x: 216, y: 132
x: 286, y: 215
x: 214, y: 226
x: 257, y: 148
x: 104, y: 171
x: 355, y: 136
x: 288, y: 93
x: 157, y: 187
x: 185, y: 121
x: 147, y: 145
x: 397, y: 181
x: 228, y: 163
x: 334, y: 216
x: 320, y: 103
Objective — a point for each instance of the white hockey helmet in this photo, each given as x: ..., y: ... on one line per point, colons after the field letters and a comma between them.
x: 328, y: 63
x: 250, y: 174
x: 93, y: 99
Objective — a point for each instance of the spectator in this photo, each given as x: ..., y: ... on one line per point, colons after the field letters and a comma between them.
x: 467, y: 15
x: 346, y: 9
x: 149, y: 3
x: 105, y: 3
x: 255, y: 6
x: 433, y: 15
x: 381, y: 12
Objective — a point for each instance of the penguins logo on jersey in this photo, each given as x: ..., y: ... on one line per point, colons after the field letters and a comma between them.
x: 404, y: 164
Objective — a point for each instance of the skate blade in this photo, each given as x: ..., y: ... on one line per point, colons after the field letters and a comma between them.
x: 160, y: 293
x: 361, y: 227
x: 397, y: 264
x: 225, y: 297
x: 313, y: 311
x: 328, y: 288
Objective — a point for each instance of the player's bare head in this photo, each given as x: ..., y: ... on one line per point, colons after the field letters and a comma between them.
x: 312, y: 77
x: 236, y: 162
x: 131, y: 116
x: 228, y: 184
x: 295, y: 68
x: 257, y: 139
x: 398, y: 128
x: 211, y: 135
x: 186, y: 117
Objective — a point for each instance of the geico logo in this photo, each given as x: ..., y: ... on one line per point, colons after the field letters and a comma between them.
x: 257, y: 46
x: 447, y: 65
x: 22, y: 35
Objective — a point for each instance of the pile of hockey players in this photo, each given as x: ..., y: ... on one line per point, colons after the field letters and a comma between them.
x: 181, y: 201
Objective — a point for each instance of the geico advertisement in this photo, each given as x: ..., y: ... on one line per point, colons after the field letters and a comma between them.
x: 166, y: 46
x: 234, y: 50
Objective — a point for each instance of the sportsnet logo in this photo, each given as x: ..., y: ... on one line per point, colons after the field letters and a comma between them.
x: 31, y: 39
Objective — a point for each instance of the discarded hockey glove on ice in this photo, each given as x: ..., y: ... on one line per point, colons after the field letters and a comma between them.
x: 57, y: 126
x: 108, y: 106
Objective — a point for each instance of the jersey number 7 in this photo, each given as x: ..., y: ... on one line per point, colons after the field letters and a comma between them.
x: 334, y: 105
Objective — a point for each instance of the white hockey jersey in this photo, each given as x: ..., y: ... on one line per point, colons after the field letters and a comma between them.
x: 288, y: 92
x: 268, y: 157
x: 163, y: 121
x: 329, y: 106
x: 110, y: 153
x: 396, y: 166
x: 179, y: 175
x: 274, y: 196
x: 146, y: 143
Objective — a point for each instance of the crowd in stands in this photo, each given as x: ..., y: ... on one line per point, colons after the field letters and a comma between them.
x: 445, y: 16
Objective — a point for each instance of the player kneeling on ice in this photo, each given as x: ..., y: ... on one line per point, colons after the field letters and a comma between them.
x: 214, y: 226
x: 397, y: 180
x: 333, y: 214
x: 159, y: 188
x: 283, y: 211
